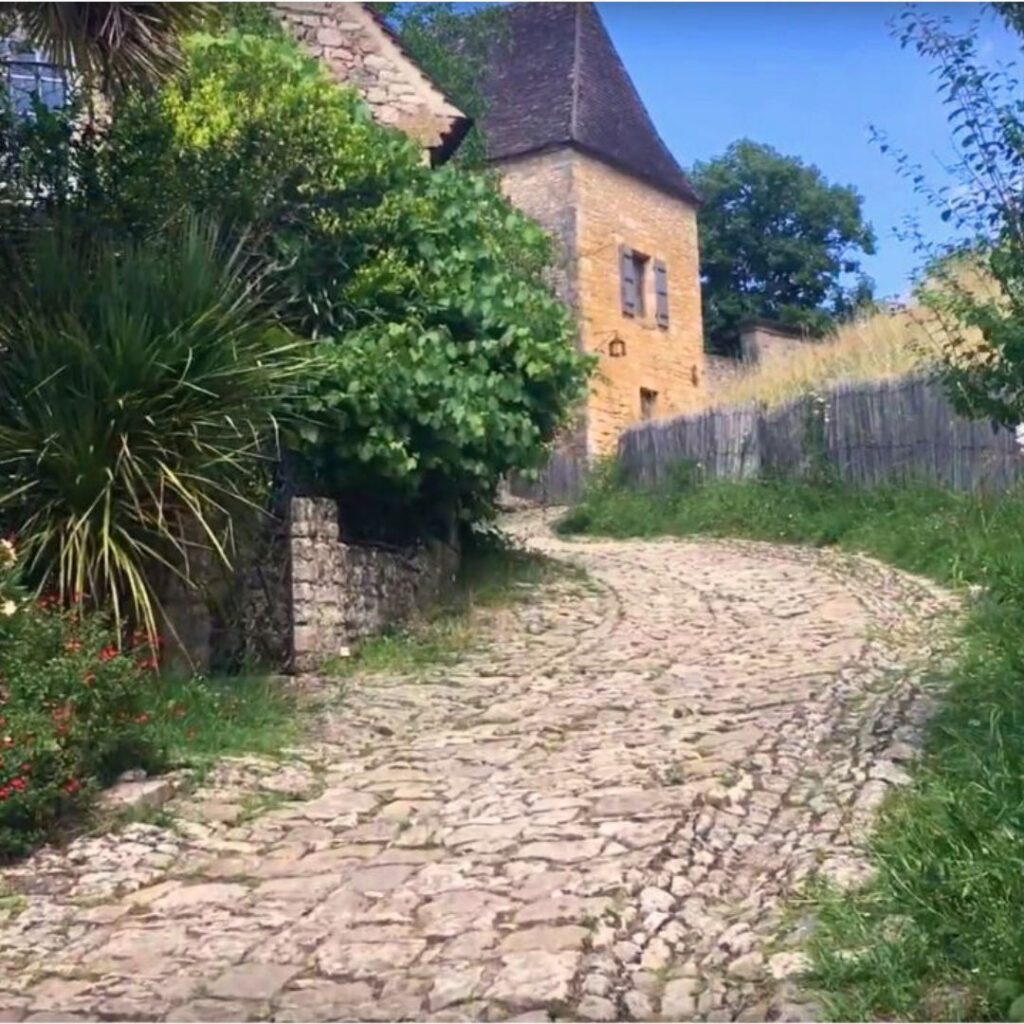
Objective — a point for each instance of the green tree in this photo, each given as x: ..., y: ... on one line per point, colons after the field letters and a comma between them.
x: 976, y: 281
x: 445, y: 359
x: 777, y: 241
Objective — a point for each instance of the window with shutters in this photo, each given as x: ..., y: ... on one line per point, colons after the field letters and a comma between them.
x: 633, y: 281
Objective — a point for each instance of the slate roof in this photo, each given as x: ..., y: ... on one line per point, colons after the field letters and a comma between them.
x: 554, y: 78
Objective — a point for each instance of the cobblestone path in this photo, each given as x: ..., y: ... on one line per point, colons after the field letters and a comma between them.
x: 594, y: 817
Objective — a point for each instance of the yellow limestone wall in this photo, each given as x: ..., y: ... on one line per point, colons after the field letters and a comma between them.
x: 591, y: 209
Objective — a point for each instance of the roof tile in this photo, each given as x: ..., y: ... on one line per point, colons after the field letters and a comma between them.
x: 555, y: 78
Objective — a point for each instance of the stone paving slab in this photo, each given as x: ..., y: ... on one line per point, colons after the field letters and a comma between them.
x: 596, y: 816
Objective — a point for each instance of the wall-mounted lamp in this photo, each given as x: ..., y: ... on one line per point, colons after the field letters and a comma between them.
x: 616, y: 348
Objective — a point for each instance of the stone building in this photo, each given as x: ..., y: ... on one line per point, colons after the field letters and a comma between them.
x: 762, y: 343
x: 359, y: 49
x: 579, y: 153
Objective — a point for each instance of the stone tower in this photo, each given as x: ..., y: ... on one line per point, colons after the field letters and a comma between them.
x: 578, y: 152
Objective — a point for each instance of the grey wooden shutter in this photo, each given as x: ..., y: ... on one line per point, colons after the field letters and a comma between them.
x: 627, y: 280
x: 661, y: 293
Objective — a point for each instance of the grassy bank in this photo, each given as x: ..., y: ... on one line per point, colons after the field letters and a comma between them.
x: 939, y: 934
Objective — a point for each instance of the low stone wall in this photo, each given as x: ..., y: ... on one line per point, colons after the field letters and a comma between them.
x: 340, y: 592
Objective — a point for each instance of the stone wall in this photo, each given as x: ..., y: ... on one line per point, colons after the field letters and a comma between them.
x: 340, y: 592
x: 541, y: 185
x: 764, y: 342
x: 720, y: 371
x: 590, y: 209
x: 616, y: 209
x: 359, y: 50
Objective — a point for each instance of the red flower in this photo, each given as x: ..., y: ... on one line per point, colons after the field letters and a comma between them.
x: 142, y: 719
x: 108, y: 652
x: 72, y: 786
x: 5, y: 792
x: 148, y: 664
x: 26, y: 768
x: 18, y: 784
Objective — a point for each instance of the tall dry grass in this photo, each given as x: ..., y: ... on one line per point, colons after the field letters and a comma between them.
x: 884, y: 345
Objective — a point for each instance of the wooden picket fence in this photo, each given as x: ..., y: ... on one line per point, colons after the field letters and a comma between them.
x: 864, y: 433
x: 561, y: 482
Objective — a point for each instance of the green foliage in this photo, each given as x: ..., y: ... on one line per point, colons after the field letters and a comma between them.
x: 453, y: 47
x: 197, y: 720
x: 986, y: 120
x: 139, y: 393
x: 255, y: 19
x: 937, y: 935
x: 445, y: 359
x: 71, y: 711
x: 776, y: 241
x: 45, y: 159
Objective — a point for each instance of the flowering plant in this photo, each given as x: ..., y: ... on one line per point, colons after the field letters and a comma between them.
x: 9, y: 591
x: 71, y: 715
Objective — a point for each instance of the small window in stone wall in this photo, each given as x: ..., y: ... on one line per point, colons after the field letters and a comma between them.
x: 648, y: 403
x: 633, y: 281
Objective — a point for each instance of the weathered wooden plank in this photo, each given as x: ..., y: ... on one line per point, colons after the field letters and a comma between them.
x: 872, y: 433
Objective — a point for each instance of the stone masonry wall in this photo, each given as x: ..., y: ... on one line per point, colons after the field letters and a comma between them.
x: 764, y: 344
x: 590, y: 209
x: 359, y: 51
x: 307, y: 595
x: 340, y: 591
x: 541, y: 185
x: 616, y: 209
x: 720, y: 372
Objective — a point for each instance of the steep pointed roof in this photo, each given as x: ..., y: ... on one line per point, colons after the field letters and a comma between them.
x: 554, y: 78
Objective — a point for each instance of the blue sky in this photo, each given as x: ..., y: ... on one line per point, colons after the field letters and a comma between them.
x: 809, y: 79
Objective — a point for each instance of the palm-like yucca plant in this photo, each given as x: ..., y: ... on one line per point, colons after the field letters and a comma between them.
x: 111, y: 45
x: 138, y: 390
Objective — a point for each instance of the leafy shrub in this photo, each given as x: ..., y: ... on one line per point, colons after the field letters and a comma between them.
x: 71, y: 712
x: 446, y: 359
x: 140, y: 385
